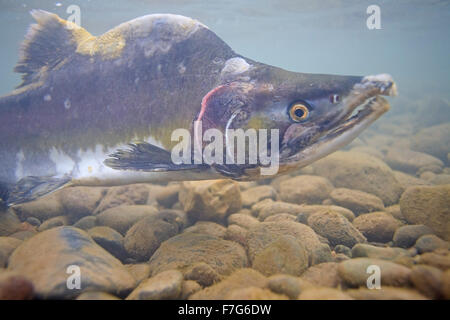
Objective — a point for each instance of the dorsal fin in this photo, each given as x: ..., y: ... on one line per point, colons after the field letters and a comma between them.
x: 47, y: 43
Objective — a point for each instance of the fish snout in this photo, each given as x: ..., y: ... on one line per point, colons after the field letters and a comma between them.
x: 384, y: 83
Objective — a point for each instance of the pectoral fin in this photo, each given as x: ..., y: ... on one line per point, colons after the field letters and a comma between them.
x: 144, y: 156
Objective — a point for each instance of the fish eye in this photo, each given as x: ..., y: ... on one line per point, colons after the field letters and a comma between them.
x: 334, y: 98
x: 298, y: 112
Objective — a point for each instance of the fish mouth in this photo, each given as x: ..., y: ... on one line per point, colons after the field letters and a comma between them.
x: 362, y: 106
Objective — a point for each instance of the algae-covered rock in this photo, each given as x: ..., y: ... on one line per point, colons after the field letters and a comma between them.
x: 407, y: 180
x: 266, y: 233
x: 355, y: 170
x: 253, y: 195
x: 207, y: 227
x: 323, y: 275
x: 284, y: 255
x: 357, y: 201
x: 243, y: 220
x: 240, y: 279
x: 354, y: 272
x: 78, y: 202
x: 253, y: 293
x: 377, y: 226
x: 323, y: 294
x: 7, y: 246
x: 429, y: 206
x: 110, y: 240
x: 211, y: 200
x: 53, y: 223
x: 96, y: 295
x: 189, y: 248
x: 123, y: 195
x: 305, y: 189
x: 43, y: 208
x: 48, y: 255
x: 385, y: 293
x: 429, y: 243
x: 203, y: 274
x: 287, y: 285
x: 406, y: 236
x: 411, y: 161
x: 434, y: 140
x: 336, y: 228
x: 139, y: 271
x: 427, y: 280
x: 123, y: 217
x: 163, y: 286
x: 363, y: 250
x: 9, y: 223
x: 146, y: 235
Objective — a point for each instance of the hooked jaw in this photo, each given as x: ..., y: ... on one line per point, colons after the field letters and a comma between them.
x: 366, y: 94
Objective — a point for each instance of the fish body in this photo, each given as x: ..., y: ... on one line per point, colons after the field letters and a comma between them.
x: 101, y: 110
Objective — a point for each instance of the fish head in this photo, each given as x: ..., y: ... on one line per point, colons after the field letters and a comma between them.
x: 313, y: 114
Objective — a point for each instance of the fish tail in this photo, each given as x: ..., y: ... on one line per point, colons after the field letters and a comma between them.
x: 29, y: 188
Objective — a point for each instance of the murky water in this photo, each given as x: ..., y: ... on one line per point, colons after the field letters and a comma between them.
x: 383, y: 201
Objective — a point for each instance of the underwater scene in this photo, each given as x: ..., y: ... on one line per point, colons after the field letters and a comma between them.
x: 224, y: 150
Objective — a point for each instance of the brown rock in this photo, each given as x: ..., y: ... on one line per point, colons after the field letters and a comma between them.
x: 211, y: 200
x: 446, y: 284
x: 360, y: 171
x: 242, y: 220
x: 265, y: 233
x: 354, y: 272
x: 44, y: 208
x: 323, y: 294
x: 96, y: 295
x: 305, y: 189
x: 385, y: 293
x: 253, y: 293
x: 427, y: 280
x: 7, y: 246
x: 168, y: 196
x: 50, y: 253
x: 78, y: 202
x: 377, y: 226
x: 429, y: 206
x: 123, y: 195
x: 123, y: 217
x: 53, y: 223
x: 203, y: 274
x: 410, y: 161
x: 146, y: 235
x: 336, y: 228
x: 256, y: 194
x: 323, y: 275
x: 207, y: 227
x: 9, y: 223
x: 242, y: 278
x: 433, y: 140
x: 188, y: 288
x: 139, y: 271
x: 284, y: 255
x: 163, y: 286
x: 357, y: 201
x: 187, y: 249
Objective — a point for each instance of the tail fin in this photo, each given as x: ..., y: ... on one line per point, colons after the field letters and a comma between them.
x: 30, y: 188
